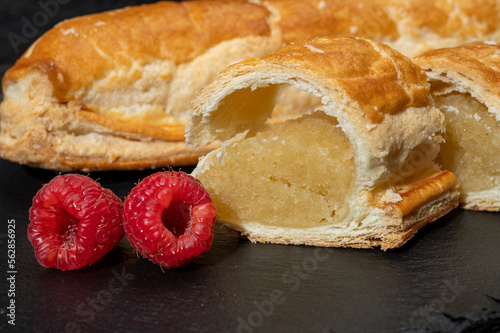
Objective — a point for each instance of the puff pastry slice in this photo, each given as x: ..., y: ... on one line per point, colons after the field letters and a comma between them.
x: 465, y: 83
x: 357, y: 171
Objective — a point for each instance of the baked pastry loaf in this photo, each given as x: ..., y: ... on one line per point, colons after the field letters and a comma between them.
x: 112, y: 90
x: 357, y: 172
x: 465, y: 83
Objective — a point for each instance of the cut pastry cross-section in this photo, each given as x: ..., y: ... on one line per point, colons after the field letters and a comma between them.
x: 465, y: 83
x: 358, y: 171
x: 112, y: 90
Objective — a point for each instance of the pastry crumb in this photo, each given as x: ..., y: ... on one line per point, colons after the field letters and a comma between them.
x: 391, y: 197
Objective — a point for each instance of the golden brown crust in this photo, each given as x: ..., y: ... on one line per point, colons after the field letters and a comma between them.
x: 381, y: 80
x: 397, y: 238
x: 167, y: 133
x: 196, y: 26
x: 477, y: 64
x: 368, y: 19
x: 86, y: 48
x: 423, y: 192
x: 446, y: 18
x: 180, y: 158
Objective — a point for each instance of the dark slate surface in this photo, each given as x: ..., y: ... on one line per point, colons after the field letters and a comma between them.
x: 446, y: 279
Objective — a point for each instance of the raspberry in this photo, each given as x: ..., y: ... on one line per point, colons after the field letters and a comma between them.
x: 169, y: 218
x: 74, y: 222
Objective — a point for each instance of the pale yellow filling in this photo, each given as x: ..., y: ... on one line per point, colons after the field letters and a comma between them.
x: 472, y: 147
x: 296, y: 175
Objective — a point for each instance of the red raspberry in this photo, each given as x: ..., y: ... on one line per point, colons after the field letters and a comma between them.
x: 169, y: 218
x: 74, y: 222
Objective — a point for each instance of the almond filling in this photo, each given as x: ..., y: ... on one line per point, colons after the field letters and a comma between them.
x: 307, y: 163
x: 472, y: 147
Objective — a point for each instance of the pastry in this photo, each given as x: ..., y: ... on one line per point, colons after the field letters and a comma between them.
x: 112, y: 90
x: 358, y: 171
x: 465, y: 83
